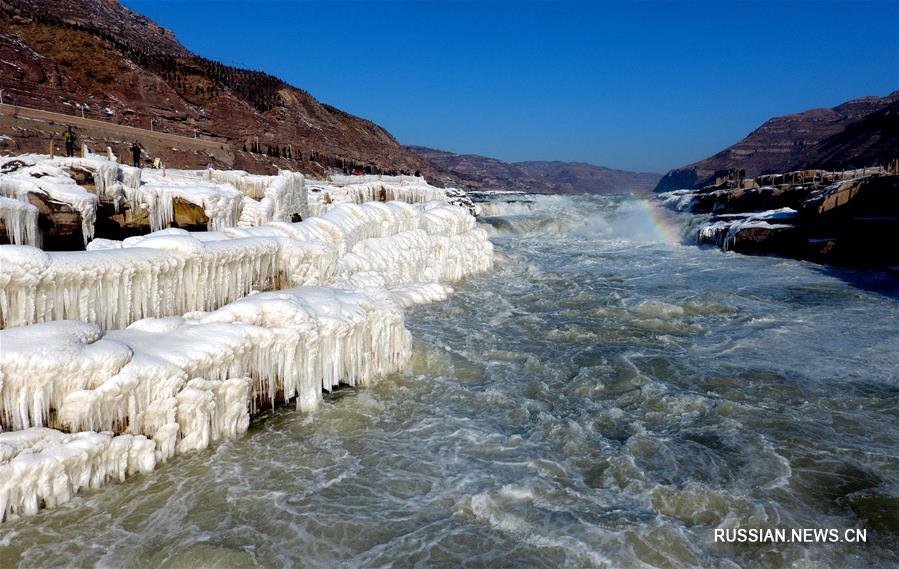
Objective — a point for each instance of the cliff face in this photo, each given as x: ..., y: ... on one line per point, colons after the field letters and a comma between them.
x: 58, y: 54
x: 850, y: 135
x: 873, y: 139
x: 480, y: 172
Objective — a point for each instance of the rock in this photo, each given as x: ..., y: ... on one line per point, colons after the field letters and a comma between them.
x: 462, y: 199
x: 767, y: 239
x: 823, y: 250
x: 765, y: 233
x: 58, y: 223
x: 189, y: 216
x: 749, y: 200
x: 849, y: 135
x: 129, y: 223
x: 852, y: 222
x: 855, y: 222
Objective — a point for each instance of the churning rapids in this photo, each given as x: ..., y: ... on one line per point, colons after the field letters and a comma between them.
x: 603, y: 398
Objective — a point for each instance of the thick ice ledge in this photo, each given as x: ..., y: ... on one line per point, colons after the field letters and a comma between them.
x: 172, y: 272
x: 178, y: 384
x: 134, y: 396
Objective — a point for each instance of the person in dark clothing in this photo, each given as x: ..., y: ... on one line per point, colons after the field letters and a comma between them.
x: 135, y: 154
x: 70, y: 138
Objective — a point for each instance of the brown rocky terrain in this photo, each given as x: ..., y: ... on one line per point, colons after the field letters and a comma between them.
x: 60, y: 55
x: 842, y: 218
x: 103, y: 67
x: 483, y: 173
x: 861, y: 132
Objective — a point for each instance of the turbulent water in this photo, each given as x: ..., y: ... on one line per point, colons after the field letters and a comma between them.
x: 604, y: 398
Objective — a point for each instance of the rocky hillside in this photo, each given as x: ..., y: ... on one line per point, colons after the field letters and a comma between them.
x: 482, y: 173
x: 58, y: 54
x: 861, y: 132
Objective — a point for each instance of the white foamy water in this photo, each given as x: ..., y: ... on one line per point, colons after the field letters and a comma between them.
x: 604, y: 398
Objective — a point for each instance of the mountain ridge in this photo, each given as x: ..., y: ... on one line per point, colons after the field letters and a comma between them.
x: 60, y: 54
x: 850, y: 135
x: 474, y: 171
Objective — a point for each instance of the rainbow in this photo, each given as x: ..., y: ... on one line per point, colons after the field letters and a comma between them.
x: 663, y: 226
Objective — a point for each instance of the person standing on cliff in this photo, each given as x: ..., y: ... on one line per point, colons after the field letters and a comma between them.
x: 135, y: 154
x: 69, y: 137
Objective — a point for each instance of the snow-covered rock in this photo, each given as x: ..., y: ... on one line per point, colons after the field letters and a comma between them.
x: 772, y: 231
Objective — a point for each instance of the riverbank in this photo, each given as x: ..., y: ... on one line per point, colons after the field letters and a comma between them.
x: 839, y: 218
x: 117, y: 358
x: 605, y: 396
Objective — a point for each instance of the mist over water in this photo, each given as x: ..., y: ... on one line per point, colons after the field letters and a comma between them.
x: 605, y: 398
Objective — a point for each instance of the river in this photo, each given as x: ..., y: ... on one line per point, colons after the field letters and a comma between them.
x: 605, y: 398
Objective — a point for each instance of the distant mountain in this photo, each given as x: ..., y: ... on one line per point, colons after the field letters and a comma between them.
x: 483, y: 173
x: 861, y: 132
x: 57, y: 55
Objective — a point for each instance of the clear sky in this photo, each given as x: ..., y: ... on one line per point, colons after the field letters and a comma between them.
x: 640, y: 85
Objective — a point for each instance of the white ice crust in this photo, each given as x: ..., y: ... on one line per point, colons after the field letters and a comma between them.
x: 172, y: 272
x: 117, y: 358
x: 228, y: 198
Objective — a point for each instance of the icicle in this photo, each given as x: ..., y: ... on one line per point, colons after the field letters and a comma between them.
x: 47, y: 468
x: 259, y: 350
x: 173, y: 272
x: 20, y: 219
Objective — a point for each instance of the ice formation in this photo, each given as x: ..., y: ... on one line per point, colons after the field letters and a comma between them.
x: 361, y: 189
x: 20, y: 219
x: 177, y: 384
x: 231, y: 198
x: 119, y: 357
x: 166, y: 275
x: 109, y: 177
x: 228, y: 198
x: 45, y: 178
x: 723, y: 231
x: 281, y: 197
x: 46, y: 468
x: 173, y: 272
x: 680, y: 200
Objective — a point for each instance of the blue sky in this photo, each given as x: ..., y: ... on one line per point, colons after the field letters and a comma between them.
x: 641, y: 85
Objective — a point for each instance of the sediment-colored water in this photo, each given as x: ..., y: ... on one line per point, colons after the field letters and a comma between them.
x: 605, y: 398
